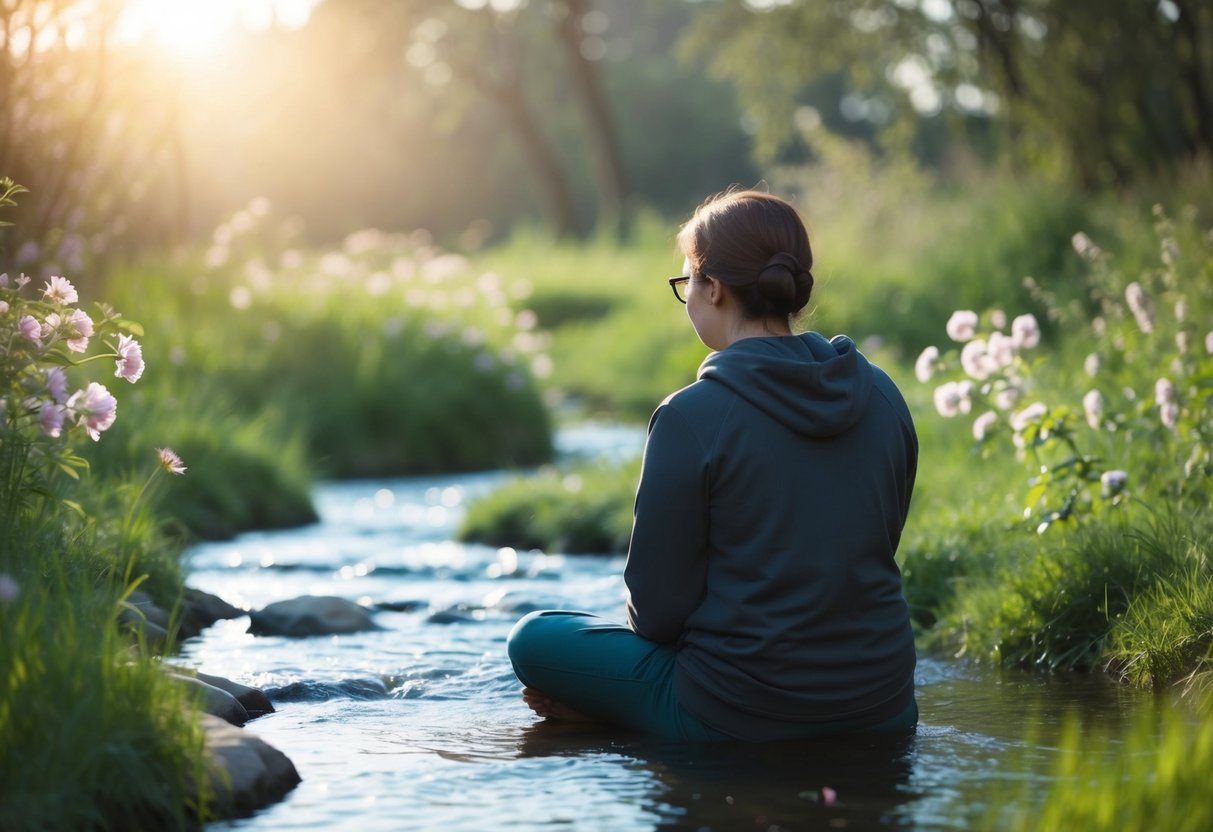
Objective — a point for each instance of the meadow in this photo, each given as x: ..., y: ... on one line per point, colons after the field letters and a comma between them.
x: 1051, y: 536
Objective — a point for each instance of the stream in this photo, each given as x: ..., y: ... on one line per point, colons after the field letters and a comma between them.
x: 419, y: 725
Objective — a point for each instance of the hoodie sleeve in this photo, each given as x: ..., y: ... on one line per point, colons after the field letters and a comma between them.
x: 667, y: 562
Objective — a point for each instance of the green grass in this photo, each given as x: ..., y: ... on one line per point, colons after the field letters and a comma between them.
x: 93, y: 734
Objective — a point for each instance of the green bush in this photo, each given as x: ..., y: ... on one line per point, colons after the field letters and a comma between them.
x: 582, y: 510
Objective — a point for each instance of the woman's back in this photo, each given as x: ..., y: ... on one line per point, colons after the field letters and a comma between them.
x: 806, y: 456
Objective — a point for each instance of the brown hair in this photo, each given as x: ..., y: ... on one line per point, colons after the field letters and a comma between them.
x: 756, y: 245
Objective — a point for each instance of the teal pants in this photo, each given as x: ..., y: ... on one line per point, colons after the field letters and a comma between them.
x: 606, y: 671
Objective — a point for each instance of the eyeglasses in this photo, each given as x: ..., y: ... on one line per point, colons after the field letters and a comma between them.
x: 676, y: 282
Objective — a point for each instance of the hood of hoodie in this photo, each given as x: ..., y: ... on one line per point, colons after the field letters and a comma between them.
x: 814, y: 386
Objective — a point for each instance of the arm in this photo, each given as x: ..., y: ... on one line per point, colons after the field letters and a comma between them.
x: 667, y: 560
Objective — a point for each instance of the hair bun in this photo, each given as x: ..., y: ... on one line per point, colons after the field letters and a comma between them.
x: 784, y: 282
x: 783, y: 260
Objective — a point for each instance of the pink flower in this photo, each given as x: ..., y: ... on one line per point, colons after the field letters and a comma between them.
x: 82, y: 325
x: 1209, y: 342
x: 1032, y: 413
x: 962, y: 325
x: 1001, y: 349
x: 130, y: 359
x: 1006, y: 398
x: 31, y: 329
x: 3, y: 307
x: 3, y: 280
x: 60, y: 290
x: 828, y: 796
x: 51, y: 419
x: 95, y: 409
x: 56, y: 384
x: 170, y: 461
x: 951, y: 399
x: 976, y: 360
x: 924, y: 367
x: 983, y: 423
x: 1025, y: 332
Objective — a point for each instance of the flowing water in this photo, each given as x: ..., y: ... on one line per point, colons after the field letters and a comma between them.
x: 419, y: 725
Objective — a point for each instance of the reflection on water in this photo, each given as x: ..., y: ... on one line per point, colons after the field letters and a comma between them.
x: 419, y: 725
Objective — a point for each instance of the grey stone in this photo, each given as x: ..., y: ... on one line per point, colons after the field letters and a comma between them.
x: 201, y: 609
x: 215, y: 701
x: 254, y: 700
x: 311, y: 615
x: 246, y: 772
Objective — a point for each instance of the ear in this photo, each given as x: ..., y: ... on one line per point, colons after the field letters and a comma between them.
x: 716, y: 292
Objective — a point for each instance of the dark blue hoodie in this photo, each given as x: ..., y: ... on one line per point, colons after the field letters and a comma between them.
x: 771, y: 501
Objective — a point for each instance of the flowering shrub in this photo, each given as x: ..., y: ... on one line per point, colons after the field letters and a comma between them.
x: 45, y: 336
x: 46, y: 340
x: 1136, y: 422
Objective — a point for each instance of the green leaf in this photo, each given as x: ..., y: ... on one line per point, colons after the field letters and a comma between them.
x: 1034, y: 495
x: 75, y: 506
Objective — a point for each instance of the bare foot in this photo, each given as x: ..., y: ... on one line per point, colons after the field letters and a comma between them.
x: 548, y: 708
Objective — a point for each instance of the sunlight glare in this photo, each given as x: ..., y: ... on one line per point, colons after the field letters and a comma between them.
x: 194, y: 27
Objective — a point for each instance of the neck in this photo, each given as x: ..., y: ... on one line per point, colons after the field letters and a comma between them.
x: 758, y: 328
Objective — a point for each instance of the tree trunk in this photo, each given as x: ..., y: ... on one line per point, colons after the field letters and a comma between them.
x: 609, y: 169
x: 538, y: 150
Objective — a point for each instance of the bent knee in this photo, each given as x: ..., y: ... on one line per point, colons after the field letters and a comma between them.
x: 520, y: 643
x: 539, y: 635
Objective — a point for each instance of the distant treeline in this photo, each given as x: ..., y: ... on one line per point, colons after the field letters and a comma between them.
x: 466, y: 119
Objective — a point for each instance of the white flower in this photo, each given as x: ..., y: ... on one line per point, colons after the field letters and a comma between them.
x: 1032, y: 413
x: 962, y: 325
x: 1164, y: 391
x: 1140, y: 306
x: 983, y: 423
x: 1083, y: 245
x: 1091, y: 364
x: 1025, y: 332
x: 1209, y: 342
x: 998, y: 319
x: 1113, y: 482
x: 924, y: 367
x: 60, y: 290
x: 976, y: 361
x: 1183, y: 340
x: 1170, y: 251
x: 947, y: 399
x: 1168, y: 414
x: 1001, y: 349
x: 1092, y: 404
x: 1006, y: 398
x: 966, y: 389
